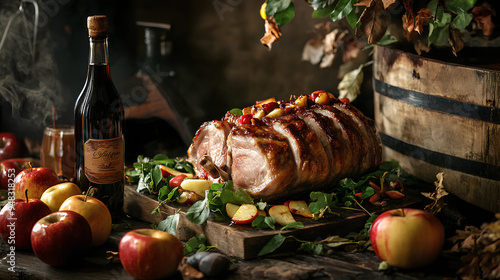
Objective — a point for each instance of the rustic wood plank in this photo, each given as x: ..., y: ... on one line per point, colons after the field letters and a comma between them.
x: 458, y: 135
x: 243, y: 241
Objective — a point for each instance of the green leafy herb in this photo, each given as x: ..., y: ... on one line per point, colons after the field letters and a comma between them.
x: 199, y: 212
x: 273, y: 244
x: 236, y: 111
x: 196, y: 244
x: 147, y: 173
x: 170, y: 224
x: 264, y: 222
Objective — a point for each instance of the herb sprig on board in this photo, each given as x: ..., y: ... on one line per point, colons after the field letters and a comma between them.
x: 148, y: 176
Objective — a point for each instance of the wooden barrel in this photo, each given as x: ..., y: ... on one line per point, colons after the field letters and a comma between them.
x: 436, y: 117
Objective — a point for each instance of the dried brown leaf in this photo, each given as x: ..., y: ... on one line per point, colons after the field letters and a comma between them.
x: 272, y: 34
x: 422, y: 19
x: 112, y: 257
x: 438, y: 196
x: 189, y: 272
x: 482, y: 16
x: 409, y: 28
x: 313, y: 50
x: 456, y: 41
x: 364, y: 3
x: 351, y: 50
x: 482, y: 260
x: 374, y: 22
x: 419, y: 47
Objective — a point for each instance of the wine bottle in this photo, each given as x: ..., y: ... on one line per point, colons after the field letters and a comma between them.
x: 99, y: 138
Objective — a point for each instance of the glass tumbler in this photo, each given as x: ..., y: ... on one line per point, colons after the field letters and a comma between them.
x: 58, y: 150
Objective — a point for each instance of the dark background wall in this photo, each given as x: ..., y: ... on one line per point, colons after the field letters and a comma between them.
x: 218, y: 58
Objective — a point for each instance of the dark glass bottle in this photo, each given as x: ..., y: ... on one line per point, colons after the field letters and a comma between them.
x: 99, y: 139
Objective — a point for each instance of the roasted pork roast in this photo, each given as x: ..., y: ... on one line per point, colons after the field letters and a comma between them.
x: 279, y: 149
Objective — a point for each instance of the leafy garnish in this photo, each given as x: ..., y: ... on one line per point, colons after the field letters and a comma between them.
x: 199, y: 212
x: 147, y: 173
x: 264, y: 222
x: 196, y: 244
x: 170, y: 224
x: 236, y: 111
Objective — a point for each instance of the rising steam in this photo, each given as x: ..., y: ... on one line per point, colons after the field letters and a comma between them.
x: 28, y: 74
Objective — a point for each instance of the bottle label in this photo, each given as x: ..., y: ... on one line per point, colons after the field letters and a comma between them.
x: 104, y: 160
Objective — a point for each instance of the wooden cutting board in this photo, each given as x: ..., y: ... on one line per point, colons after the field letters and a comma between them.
x: 244, y: 241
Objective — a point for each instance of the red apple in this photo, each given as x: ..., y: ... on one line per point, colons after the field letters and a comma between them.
x: 57, y: 194
x: 17, y: 219
x: 407, y: 238
x: 36, y: 180
x: 60, y: 237
x: 176, y: 181
x: 9, y: 169
x: 96, y: 214
x: 245, y: 214
x: 150, y: 253
x: 11, y: 146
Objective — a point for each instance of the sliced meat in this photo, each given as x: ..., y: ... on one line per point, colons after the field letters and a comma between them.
x: 331, y: 139
x: 309, y: 154
x: 306, y: 144
x: 351, y: 137
x: 211, y: 140
x: 261, y: 161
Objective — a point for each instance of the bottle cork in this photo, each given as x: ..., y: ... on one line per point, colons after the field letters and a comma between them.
x: 98, y: 26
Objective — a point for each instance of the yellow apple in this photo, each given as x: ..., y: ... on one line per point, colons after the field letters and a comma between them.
x: 57, y: 194
x: 96, y: 214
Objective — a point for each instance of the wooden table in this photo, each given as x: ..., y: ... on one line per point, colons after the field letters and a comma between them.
x: 337, y: 265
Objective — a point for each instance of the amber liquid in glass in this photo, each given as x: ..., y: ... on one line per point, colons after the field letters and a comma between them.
x: 58, y: 150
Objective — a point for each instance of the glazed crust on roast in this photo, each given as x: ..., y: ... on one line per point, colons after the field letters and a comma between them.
x: 305, y: 149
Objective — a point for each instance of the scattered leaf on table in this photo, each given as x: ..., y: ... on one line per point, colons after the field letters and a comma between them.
x: 438, y: 196
x: 112, y: 257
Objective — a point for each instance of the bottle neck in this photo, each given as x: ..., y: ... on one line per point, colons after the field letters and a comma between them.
x: 98, y: 51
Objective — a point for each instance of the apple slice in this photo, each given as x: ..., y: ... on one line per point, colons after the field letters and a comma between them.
x: 281, y: 214
x: 245, y: 214
x: 300, y: 207
x: 262, y: 212
x: 177, y: 180
x: 231, y: 209
x: 188, y: 198
x: 199, y: 186
x: 167, y: 171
